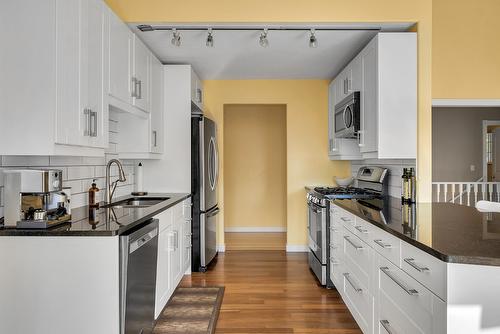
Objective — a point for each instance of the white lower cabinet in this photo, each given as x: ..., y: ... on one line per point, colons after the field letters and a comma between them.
x: 372, y: 270
x: 172, y: 259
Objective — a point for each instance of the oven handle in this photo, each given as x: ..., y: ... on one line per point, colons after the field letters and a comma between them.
x: 314, y: 209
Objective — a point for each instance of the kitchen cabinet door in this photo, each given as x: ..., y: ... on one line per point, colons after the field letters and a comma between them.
x: 356, y: 82
x: 120, y: 59
x: 176, y: 272
x: 164, y: 286
x: 156, y: 115
x: 71, y: 113
x: 141, y: 73
x: 95, y: 68
x: 369, y: 100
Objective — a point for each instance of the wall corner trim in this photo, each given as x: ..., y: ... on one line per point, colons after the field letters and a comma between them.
x: 466, y: 102
x: 297, y: 248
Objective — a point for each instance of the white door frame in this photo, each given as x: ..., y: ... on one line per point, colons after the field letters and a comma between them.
x: 486, y: 123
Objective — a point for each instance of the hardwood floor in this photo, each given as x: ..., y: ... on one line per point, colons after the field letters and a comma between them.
x: 255, y: 241
x: 273, y: 292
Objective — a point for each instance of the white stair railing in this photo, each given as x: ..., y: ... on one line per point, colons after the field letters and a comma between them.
x: 466, y: 193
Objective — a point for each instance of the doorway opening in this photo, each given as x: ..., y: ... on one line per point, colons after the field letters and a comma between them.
x: 255, y: 191
x: 491, y: 150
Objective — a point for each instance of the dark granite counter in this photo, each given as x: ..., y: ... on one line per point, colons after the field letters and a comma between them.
x: 102, y: 221
x: 451, y: 232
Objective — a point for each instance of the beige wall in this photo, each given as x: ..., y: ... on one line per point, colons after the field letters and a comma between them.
x: 307, y: 160
x: 466, y: 49
x: 255, y: 165
x: 457, y: 142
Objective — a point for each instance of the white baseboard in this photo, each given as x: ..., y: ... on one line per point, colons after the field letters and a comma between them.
x: 221, y: 248
x: 466, y: 103
x: 252, y: 229
x: 297, y: 248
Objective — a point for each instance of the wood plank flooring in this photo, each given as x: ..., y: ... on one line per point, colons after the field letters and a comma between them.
x: 273, y: 292
x: 255, y: 241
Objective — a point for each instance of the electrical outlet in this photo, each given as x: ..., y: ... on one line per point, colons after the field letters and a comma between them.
x: 472, y: 168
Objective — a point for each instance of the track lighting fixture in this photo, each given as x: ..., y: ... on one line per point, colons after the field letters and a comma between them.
x: 176, y: 38
x: 313, y: 41
x: 263, y: 41
x: 210, y: 39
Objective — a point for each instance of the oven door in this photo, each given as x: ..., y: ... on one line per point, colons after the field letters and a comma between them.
x: 316, y: 225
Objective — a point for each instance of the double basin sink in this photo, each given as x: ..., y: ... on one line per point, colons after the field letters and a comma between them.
x: 136, y: 202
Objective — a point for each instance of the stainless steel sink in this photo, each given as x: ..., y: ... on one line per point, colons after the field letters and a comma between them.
x: 136, y: 202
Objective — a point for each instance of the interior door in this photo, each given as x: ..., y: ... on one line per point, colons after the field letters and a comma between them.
x: 211, y: 164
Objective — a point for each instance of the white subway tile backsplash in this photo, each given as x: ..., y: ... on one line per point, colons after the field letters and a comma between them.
x: 65, y: 161
x: 21, y: 161
x: 80, y: 172
x: 75, y: 185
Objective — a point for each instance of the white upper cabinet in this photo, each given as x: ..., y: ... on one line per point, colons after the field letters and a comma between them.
x: 120, y: 60
x: 389, y: 97
x: 141, y: 75
x: 385, y: 74
x: 53, y: 78
x: 81, y: 113
x: 157, y: 106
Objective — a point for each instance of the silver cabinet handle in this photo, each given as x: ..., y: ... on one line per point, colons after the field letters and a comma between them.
x: 357, y: 247
x: 415, y: 266
x: 387, y: 326
x: 133, y: 92
x: 198, y: 95
x: 410, y: 291
x: 361, y: 229
x: 344, y: 219
x: 332, y: 245
x: 154, y: 138
x: 333, y: 261
x: 176, y: 235
x: 86, y: 112
x: 382, y: 244
x: 93, y: 124
x: 139, y: 94
x: 348, y: 279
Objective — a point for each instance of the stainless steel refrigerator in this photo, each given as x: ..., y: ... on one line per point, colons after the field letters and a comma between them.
x: 204, y: 174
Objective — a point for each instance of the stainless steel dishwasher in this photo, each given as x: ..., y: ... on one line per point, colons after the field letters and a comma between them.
x: 138, y: 257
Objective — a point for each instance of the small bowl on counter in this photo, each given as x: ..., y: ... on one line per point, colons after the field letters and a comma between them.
x: 344, y: 182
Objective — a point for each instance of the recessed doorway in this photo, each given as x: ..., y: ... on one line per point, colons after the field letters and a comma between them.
x: 255, y: 176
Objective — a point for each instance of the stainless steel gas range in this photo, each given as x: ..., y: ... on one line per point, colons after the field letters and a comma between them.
x: 370, y: 185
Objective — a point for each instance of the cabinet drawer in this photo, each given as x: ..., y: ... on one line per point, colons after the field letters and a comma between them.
x: 413, y: 300
x: 359, y: 300
x: 357, y: 258
x: 336, y: 271
x: 386, y: 244
x: 425, y: 268
x: 344, y: 218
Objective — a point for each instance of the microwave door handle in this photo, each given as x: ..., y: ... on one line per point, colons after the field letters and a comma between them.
x: 343, y: 115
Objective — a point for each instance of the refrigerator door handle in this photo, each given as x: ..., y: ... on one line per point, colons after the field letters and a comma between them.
x: 212, y: 163
x: 216, y: 152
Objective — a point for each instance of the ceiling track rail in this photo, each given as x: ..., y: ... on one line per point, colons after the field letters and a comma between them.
x: 146, y: 28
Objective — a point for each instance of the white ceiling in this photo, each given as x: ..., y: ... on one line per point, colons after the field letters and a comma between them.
x: 238, y: 55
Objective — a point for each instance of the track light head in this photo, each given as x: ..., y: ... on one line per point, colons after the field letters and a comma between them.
x: 176, y: 38
x: 210, y: 39
x: 263, y: 41
x: 313, y: 41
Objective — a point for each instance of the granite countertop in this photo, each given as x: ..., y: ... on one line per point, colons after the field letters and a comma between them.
x: 451, y: 232
x: 103, y: 221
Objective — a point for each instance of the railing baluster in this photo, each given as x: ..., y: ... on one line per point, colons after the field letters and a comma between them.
x: 461, y: 192
x: 468, y: 194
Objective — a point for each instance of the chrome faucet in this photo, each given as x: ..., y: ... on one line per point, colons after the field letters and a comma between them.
x: 111, y: 186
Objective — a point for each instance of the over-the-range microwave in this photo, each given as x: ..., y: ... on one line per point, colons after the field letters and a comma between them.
x: 347, y: 116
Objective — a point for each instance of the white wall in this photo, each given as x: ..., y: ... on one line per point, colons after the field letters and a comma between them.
x: 395, y: 171
x: 78, y: 172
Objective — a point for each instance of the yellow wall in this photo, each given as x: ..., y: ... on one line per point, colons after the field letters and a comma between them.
x: 230, y: 11
x: 466, y: 49
x: 306, y: 137
x: 255, y: 165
